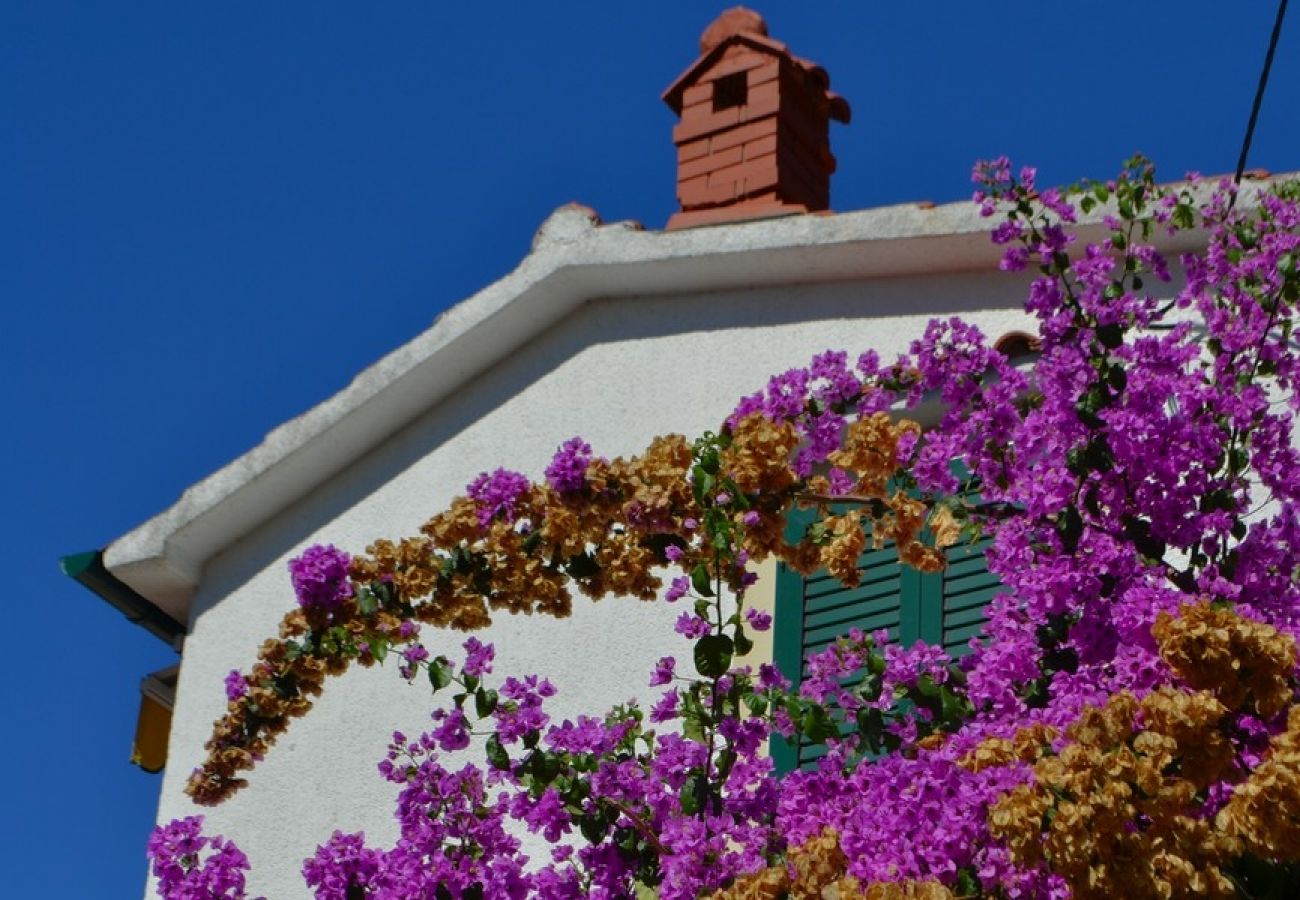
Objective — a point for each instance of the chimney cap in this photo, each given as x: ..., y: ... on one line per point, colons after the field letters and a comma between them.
x: 737, y: 20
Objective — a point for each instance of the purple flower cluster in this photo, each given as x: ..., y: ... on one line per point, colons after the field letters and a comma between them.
x: 478, y: 658
x: 191, y: 866
x: 236, y: 685
x: 567, y: 472
x: 320, y: 577
x: 497, y: 494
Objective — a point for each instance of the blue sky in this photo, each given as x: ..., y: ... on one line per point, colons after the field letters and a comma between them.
x: 213, y: 215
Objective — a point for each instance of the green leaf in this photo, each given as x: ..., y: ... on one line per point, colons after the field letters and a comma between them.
x: 692, y: 794
x: 871, y: 725
x: 496, y: 753
x: 379, y: 648
x: 531, y: 540
x: 701, y: 581
x: 953, y: 707
x: 645, y: 891
x: 367, y: 602
x: 1069, y: 525
x: 485, y: 702
x: 594, y: 827
x: 816, y: 724
x: 543, y: 766
x: 704, y: 488
x: 1110, y: 335
x: 713, y: 655
x: 743, y: 643
x: 692, y: 730
x: 726, y: 761
x: 439, y: 673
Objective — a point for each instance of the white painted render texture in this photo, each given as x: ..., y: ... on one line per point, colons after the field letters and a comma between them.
x: 608, y: 332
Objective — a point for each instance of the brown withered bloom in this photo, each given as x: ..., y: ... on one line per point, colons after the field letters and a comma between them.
x: 1026, y: 745
x: 1261, y: 813
x: 870, y: 451
x: 1247, y: 664
x: 944, y: 527
x: 758, y: 458
x: 841, y: 551
x: 1115, y: 813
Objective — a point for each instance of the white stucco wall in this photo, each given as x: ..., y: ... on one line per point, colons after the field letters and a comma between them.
x: 616, y: 372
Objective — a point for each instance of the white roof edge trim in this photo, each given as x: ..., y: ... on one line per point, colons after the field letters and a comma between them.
x: 574, y: 260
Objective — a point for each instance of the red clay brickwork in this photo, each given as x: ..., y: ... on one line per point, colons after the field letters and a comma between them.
x: 754, y: 136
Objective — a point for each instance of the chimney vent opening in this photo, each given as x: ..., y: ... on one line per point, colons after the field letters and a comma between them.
x: 730, y: 91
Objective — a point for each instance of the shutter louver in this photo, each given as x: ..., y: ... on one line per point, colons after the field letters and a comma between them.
x: 968, y: 586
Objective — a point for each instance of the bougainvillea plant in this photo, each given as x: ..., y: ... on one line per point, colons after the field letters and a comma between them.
x: 1126, y: 724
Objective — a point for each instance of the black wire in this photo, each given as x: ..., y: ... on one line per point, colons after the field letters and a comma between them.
x: 1259, y: 92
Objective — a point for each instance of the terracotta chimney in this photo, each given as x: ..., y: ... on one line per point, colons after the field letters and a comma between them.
x: 754, y: 135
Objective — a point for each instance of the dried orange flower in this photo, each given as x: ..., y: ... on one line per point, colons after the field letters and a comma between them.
x: 758, y: 459
x: 1115, y: 812
x: 870, y: 451
x: 1264, y: 812
x: 1248, y: 664
x: 839, y: 555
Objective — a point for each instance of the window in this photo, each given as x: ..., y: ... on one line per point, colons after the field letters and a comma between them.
x: 946, y: 608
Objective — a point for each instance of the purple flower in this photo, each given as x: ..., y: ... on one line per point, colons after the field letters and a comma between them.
x: 769, y: 676
x: 842, y: 482
x: 320, y: 577
x: 567, y: 472
x: 236, y: 685
x: 341, y: 865
x: 691, y: 625
x: 679, y: 588
x: 751, y: 518
x: 673, y: 553
x: 758, y: 620
x: 416, y: 654
x: 188, y: 864
x: 452, y: 731
x: 497, y: 494
x: 663, y: 672
x: 478, y: 658
x: 666, y: 709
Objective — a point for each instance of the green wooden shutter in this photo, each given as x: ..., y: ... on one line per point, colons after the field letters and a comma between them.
x: 967, y: 586
x: 946, y: 608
